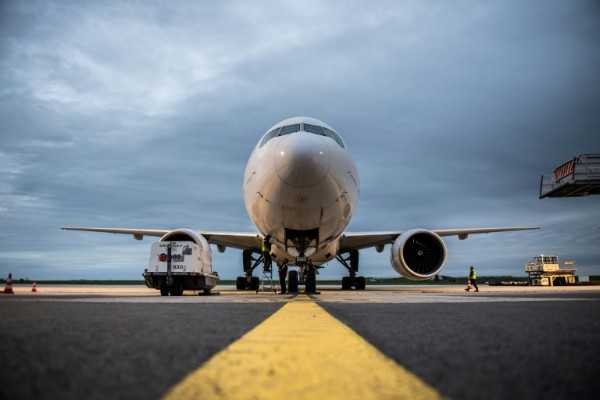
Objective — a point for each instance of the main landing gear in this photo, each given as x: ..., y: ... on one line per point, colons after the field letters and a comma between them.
x: 349, y: 260
x: 251, y: 260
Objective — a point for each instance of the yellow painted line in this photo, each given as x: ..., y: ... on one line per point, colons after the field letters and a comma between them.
x: 301, y: 352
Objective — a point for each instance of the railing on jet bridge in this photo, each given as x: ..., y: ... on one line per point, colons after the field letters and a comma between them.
x: 582, y: 173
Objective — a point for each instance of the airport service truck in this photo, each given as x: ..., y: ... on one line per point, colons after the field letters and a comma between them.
x: 176, y: 266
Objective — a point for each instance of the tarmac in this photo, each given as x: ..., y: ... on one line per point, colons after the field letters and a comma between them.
x: 419, y: 341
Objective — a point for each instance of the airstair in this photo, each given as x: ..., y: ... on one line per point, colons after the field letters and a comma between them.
x: 266, y: 283
x: 574, y: 178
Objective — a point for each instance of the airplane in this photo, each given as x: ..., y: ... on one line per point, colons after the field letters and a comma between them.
x: 301, y: 190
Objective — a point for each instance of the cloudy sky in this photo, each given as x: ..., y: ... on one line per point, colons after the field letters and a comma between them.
x: 144, y: 115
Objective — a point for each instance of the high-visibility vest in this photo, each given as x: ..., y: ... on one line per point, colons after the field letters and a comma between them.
x: 473, y: 275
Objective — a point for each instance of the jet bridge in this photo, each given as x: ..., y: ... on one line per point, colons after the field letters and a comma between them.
x: 574, y: 178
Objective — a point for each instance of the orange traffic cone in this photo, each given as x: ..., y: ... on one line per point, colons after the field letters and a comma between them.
x: 8, y: 289
x: 34, y: 288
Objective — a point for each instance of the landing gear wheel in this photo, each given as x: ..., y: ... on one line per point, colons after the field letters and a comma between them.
x: 254, y: 283
x: 349, y: 260
x: 240, y: 283
x: 310, y: 282
x: 346, y: 283
x: 360, y: 283
x: 293, y: 281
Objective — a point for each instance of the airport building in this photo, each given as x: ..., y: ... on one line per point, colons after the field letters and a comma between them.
x: 546, y: 271
x: 574, y: 178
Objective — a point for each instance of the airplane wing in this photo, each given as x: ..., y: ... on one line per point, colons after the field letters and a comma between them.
x: 239, y: 240
x: 362, y: 240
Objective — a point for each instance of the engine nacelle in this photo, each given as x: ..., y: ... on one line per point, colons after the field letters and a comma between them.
x: 418, y: 254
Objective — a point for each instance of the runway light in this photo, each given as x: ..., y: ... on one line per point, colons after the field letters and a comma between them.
x: 282, y: 153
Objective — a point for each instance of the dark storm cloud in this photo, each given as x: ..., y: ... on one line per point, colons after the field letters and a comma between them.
x: 144, y: 115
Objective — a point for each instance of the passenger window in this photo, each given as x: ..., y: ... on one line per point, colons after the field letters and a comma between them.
x: 286, y: 130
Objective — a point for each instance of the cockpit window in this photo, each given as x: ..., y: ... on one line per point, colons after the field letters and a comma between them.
x: 313, y: 129
x: 320, y: 130
x: 272, y: 133
x: 334, y: 136
x: 317, y: 130
x: 286, y: 130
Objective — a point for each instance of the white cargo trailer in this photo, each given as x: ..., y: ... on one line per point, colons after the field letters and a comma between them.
x: 175, y: 266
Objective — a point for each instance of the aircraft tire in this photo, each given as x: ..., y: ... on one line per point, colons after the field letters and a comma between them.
x: 346, y: 283
x: 293, y: 281
x: 311, y: 282
x: 164, y: 290
x: 254, y: 283
x: 360, y: 283
x: 240, y: 283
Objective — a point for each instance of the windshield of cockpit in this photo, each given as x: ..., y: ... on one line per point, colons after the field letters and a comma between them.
x: 308, y: 128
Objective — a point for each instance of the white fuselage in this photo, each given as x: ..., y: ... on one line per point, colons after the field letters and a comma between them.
x: 301, y: 190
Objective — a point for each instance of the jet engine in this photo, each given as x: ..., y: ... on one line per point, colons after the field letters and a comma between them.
x: 418, y: 254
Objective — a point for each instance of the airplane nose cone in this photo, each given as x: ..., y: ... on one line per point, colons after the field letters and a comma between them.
x: 302, y: 160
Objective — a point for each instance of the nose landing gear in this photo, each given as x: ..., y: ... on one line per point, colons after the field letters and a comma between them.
x: 293, y: 279
x: 310, y: 279
x: 252, y: 258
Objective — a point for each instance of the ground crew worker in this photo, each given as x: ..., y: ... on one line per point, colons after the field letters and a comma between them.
x: 265, y: 250
x: 265, y: 247
x: 472, y: 280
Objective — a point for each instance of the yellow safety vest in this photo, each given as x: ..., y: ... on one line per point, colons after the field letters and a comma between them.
x: 473, y: 275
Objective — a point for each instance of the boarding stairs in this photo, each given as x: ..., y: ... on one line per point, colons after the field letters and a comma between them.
x: 266, y: 283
